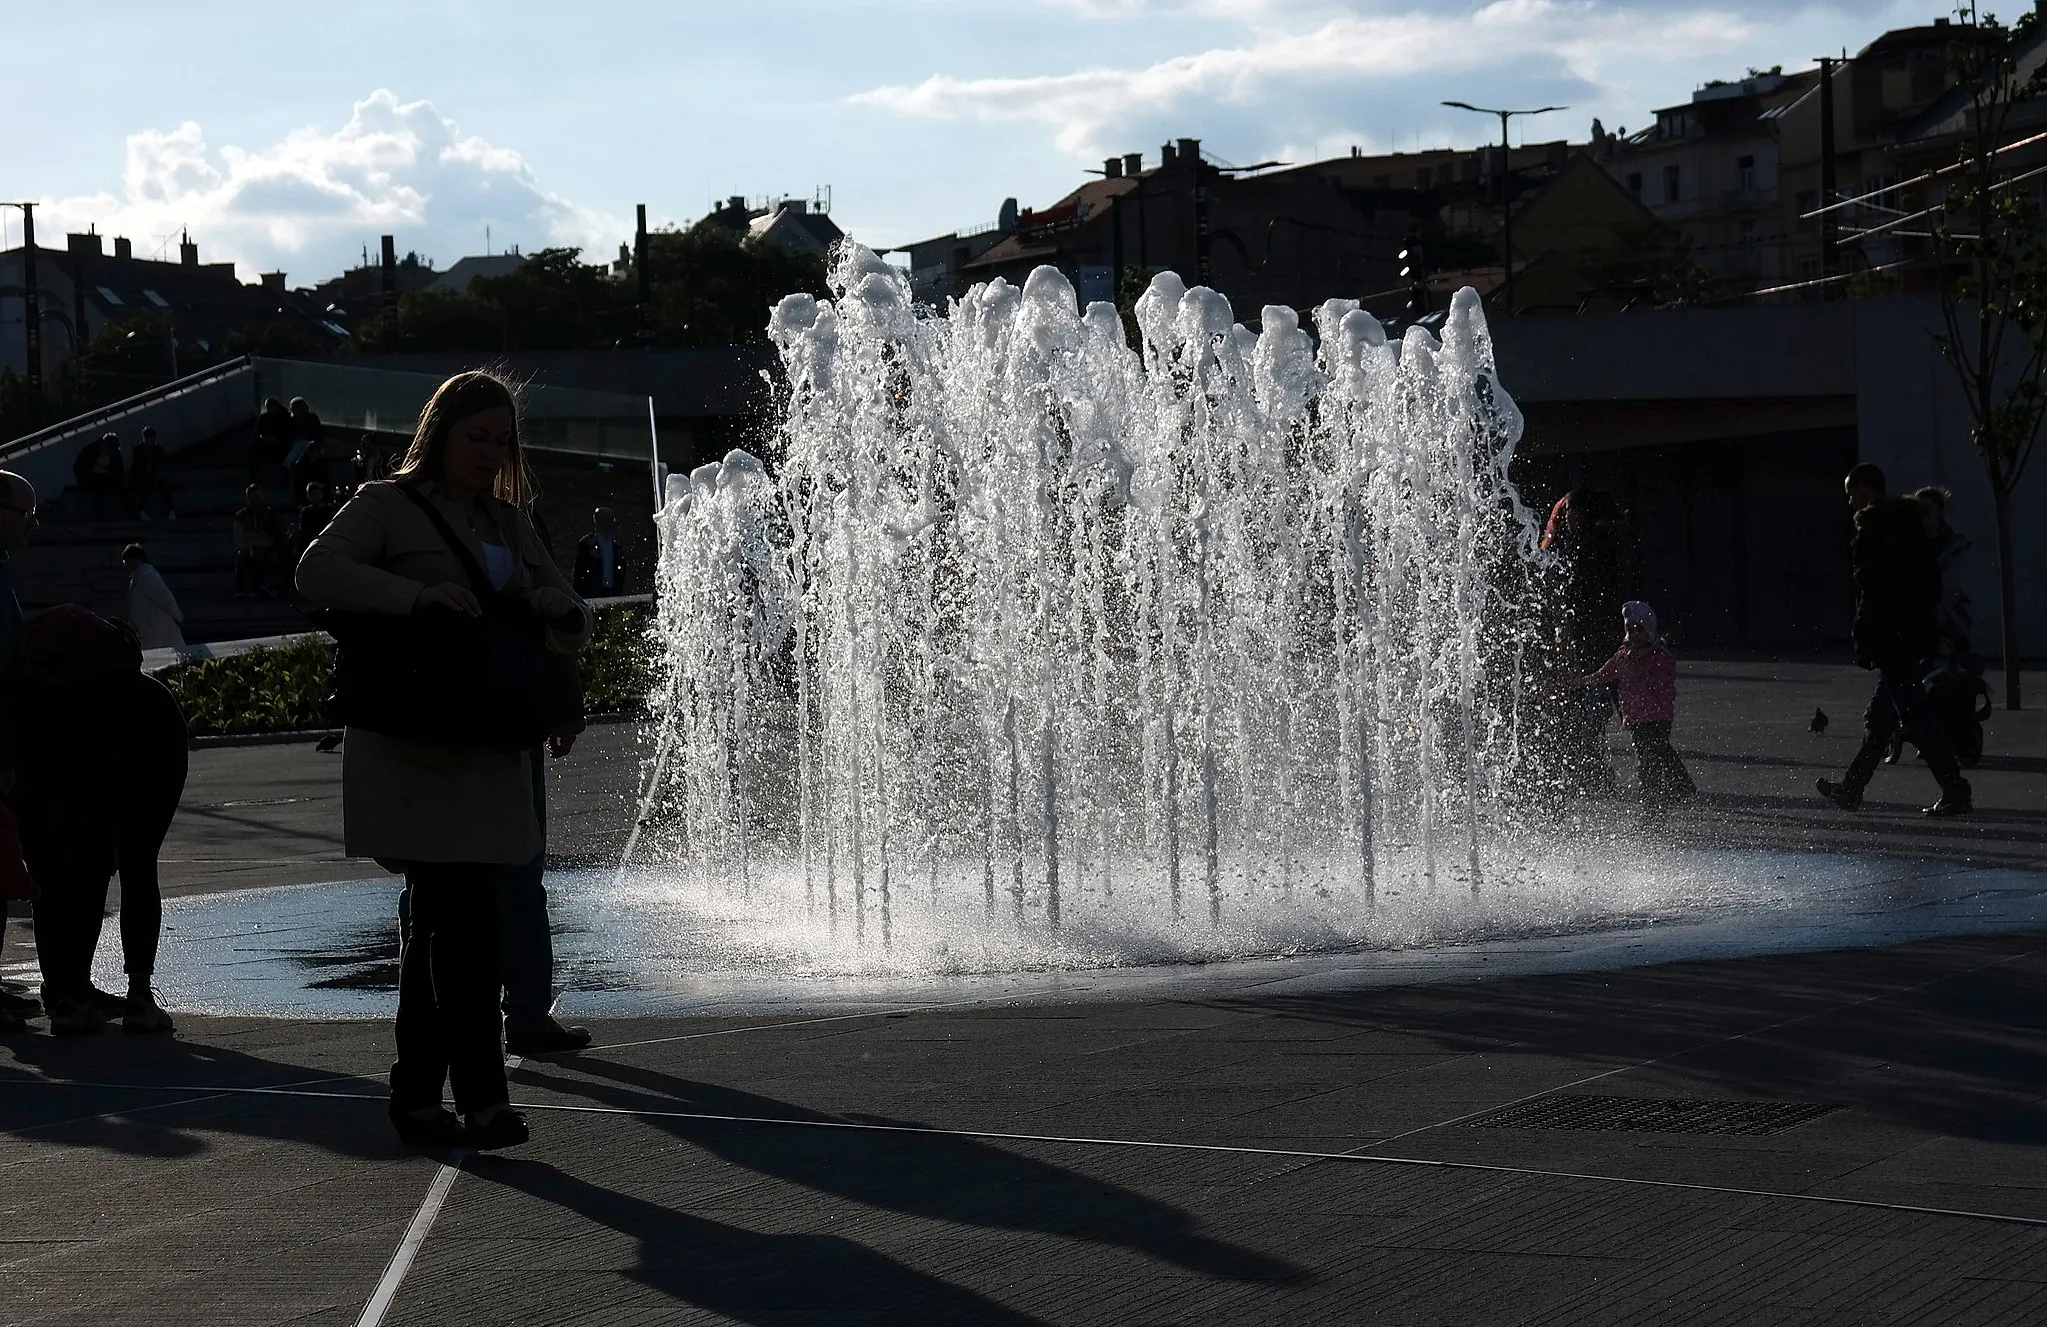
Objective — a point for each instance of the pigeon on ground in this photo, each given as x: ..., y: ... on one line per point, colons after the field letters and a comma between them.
x: 1819, y: 721
x: 330, y: 742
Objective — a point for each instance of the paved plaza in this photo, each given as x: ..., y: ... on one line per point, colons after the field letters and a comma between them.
x: 1843, y: 1136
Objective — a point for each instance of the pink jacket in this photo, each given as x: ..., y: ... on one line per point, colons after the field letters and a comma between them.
x: 1647, y: 675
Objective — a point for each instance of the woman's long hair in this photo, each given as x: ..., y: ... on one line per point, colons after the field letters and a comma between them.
x: 459, y: 397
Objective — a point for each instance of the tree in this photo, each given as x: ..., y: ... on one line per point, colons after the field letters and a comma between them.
x: 708, y: 286
x: 1992, y: 254
x: 711, y: 286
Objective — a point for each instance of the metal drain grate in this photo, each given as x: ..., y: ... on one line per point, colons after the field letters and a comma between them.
x: 1653, y: 1115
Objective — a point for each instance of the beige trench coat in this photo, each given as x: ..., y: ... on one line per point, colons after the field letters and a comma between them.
x: 413, y: 801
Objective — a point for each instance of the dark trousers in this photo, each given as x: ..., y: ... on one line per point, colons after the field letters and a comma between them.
x: 1660, y: 775
x: 525, y: 942
x: 252, y: 570
x: 1900, y: 704
x: 149, y: 486
x: 99, y: 774
x: 525, y: 937
x: 448, y: 988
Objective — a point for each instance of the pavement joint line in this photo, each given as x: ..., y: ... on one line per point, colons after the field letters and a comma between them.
x: 1704, y: 1045
x: 415, y: 1237
x: 792, y: 1023
x: 456, y: 1161
x: 207, y: 1094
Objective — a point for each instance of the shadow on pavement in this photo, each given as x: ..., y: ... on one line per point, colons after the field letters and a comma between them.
x: 752, y: 1276
x: 936, y: 1177
x: 1949, y: 1039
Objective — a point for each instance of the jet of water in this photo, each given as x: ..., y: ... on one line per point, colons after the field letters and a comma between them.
x: 1023, y: 611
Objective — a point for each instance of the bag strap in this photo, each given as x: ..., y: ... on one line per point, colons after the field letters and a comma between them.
x: 479, y: 580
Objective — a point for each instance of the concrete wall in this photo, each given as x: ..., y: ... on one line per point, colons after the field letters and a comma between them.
x: 1723, y: 366
x: 223, y: 401
x: 1914, y: 422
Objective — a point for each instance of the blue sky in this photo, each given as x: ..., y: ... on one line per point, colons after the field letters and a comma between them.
x: 290, y: 136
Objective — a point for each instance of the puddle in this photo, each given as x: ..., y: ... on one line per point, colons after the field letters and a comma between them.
x: 639, y: 943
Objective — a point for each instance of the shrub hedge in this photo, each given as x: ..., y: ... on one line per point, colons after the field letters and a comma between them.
x: 284, y: 688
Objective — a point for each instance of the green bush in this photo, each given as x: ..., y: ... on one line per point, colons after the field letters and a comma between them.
x: 284, y: 688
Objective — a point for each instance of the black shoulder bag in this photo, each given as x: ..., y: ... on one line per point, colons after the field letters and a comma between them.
x: 443, y: 676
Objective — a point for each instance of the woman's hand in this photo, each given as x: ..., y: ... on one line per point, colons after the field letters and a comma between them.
x: 450, y: 596
x: 561, y: 743
x: 554, y: 604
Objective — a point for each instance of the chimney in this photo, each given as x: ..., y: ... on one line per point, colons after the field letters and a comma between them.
x: 87, y: 244
x: 1190, y: 150
x: 1166, y: 156
x: 124, y: 248
x: 1112, y: 168
x: 1133, y: 162
x: 188, y: 252
x: 274, y: 282
x: 736, y: 203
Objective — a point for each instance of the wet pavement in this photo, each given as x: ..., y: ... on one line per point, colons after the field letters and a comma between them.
x: 1792, y: 1070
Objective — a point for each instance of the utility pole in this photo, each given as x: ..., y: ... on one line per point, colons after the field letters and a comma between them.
x: 640, y: 269
x: 1506, y: 191
x: 31, y: 301
x: 389, y: 282
x: 1829, y: 184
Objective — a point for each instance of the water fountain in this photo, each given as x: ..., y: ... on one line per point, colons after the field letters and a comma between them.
x: 1030, y: 613
x: 1048, y: 660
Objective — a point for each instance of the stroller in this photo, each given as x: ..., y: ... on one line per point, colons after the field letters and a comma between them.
x: 1960, y: 701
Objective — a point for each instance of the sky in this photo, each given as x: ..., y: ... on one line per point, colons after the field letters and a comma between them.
x: 289, y: 137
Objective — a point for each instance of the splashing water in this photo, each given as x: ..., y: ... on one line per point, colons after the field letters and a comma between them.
x: 1031, y: 625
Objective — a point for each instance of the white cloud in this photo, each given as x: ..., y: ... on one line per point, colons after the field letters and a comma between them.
x: 310, y: 202
x: 1302, y: 75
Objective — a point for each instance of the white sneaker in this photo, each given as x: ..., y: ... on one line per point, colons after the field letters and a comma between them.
x: 145, y: 1015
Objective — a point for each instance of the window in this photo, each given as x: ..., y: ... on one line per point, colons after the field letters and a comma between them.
x: 1808, y: 199
x: 1421, y: 178
x: 1382, y: 181
x: 1745, y: 173
x: 156, y: 299
x: 1670, y: 182
x: 1748, y: 232
x: 1808, y: 269
x: 1635, y: 184
x: 109, y: 296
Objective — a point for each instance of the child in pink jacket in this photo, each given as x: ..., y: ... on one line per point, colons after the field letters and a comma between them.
x: 1644, y: 672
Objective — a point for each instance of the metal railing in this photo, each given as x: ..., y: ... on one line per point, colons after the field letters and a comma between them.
x: 98, y: 419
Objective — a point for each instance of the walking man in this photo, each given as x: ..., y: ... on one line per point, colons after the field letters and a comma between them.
x: 1897, y: 592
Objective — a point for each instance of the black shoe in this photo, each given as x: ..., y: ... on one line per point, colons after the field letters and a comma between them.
x: 550, y: 1038
x: 1840, y: 794
x: 439, y: 1130
x: 1954, y: 802
x: 507, y: 1128
x: 108, y: 1003
x: 22, y: 1006
x: 74, y: 1018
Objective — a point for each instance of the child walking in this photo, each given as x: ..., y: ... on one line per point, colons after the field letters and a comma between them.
x: 1644, y: 671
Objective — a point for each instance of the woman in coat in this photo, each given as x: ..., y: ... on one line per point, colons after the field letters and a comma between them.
x: 152, y: 609
x: 450, y: 817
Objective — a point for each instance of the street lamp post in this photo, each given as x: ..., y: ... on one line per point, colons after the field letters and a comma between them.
x: 32, y: 304
x: 1506, y: 198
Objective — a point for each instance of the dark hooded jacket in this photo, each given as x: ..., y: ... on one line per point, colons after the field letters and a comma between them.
x: 1897, y: 585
